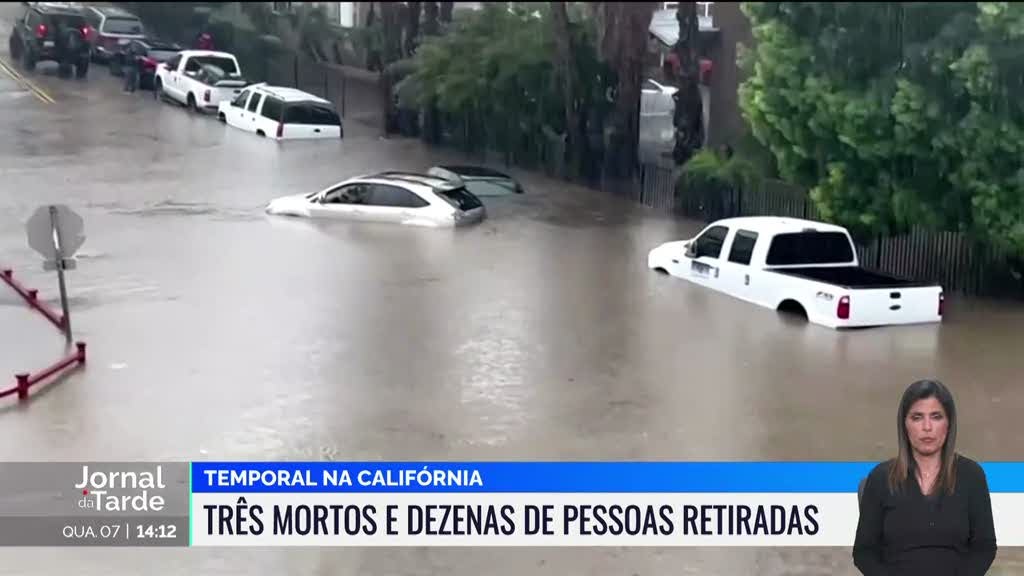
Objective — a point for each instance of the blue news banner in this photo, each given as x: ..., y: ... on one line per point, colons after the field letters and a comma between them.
x: 546, y: 503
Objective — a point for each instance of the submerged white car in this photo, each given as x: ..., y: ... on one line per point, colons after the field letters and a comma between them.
x: 395, y: 197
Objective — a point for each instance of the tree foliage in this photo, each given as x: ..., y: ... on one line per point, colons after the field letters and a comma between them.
x: 895, y: 114
x: 495, y: 66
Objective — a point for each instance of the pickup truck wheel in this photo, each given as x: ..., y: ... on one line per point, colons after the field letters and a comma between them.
x: 82, y: 69
x: 221, y: 117
x: 192, y: 103
x: 261, y: 133
x: 792, y: 307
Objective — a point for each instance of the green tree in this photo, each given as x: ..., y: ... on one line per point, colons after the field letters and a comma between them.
x: 508, y: 93
x: 894, y: 114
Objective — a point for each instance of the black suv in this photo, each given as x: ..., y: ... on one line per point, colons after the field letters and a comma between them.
x: 52, y: 32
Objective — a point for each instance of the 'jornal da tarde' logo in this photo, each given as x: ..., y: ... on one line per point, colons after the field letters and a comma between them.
x: 119, y: 491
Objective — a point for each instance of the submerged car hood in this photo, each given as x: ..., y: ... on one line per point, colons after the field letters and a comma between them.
x: 288, y: 202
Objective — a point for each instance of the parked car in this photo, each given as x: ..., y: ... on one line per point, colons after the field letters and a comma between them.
x: 145, y: 55
x: 281, y: 113
x: 200, y: 79
x: 115, y: 27
x: 799, y: 265
x: 50, y: 31
x: 481, y: 181
x: 395, y: 197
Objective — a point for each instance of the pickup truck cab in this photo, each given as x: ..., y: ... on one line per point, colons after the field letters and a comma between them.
x: 199, y: 79
x: 797, y: 265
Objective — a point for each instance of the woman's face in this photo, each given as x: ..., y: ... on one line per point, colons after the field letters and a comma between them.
x: 927, y: 426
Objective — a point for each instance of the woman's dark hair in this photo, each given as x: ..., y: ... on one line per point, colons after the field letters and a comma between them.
x: 904, y: 463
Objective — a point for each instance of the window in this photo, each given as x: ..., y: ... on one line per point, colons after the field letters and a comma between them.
x: 461, y: 199
x: 225, y: 64
x: 710, y: 242
x: 63, y: 22
x: 239, y: 101
x: 296, y: 114
x: 810, y: 248
x: 323, y: 116
x: 122, y: 26
x: 348, y: 194
x: 271, y: 108
x: 394, y: 197
x: 742, y: 247
x: 173, y: 63
x: 309, y: 113
x: 254, y: 101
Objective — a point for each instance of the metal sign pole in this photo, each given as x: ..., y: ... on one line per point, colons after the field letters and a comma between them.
x: 59, y: 245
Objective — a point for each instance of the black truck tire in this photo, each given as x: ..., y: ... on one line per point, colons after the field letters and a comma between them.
x: 28, y: 60
x: 82, y: 68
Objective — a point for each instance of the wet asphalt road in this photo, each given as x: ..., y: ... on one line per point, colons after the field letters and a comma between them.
x: 216, y: 332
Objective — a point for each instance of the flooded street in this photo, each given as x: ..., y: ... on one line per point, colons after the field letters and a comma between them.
x: 217, y: 332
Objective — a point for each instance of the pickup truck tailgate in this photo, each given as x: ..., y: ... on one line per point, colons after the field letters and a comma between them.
x: 882, y: 306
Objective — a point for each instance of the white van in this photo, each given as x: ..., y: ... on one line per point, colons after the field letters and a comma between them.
x: 281, y: 113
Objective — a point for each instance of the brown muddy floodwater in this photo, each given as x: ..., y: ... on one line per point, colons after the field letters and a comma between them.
x: 216, y: 332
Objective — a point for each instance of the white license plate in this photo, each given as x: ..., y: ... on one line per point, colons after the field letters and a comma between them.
x: 48, y: 44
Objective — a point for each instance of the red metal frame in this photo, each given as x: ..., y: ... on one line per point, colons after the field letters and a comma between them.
x: 32, y: 297
x: 25, y: 381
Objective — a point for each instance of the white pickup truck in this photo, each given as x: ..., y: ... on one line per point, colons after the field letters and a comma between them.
x: 199, y: 79
x: 797, y: 265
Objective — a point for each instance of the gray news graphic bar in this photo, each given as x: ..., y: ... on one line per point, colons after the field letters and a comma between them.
x: 93, y: 531
x: 94, y: 504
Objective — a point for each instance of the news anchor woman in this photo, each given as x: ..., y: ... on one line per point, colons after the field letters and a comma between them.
x: 926, y: 512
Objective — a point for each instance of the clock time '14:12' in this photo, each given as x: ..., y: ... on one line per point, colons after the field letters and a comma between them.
x: 158, y: 531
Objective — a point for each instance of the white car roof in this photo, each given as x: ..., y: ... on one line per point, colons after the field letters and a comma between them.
x: 187, y: 53
x: 415, y: 181
x: 777, y: 224
x: 289, y: 94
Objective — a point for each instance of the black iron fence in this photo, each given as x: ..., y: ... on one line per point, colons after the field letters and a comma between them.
x: 958, y: 262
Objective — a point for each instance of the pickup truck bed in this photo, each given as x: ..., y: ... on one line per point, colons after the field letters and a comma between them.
x: 851, y: 277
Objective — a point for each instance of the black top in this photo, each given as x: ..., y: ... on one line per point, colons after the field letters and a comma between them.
x: 937, y: 535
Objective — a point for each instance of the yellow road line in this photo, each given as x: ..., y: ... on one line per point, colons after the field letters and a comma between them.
x: 37, y: 91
